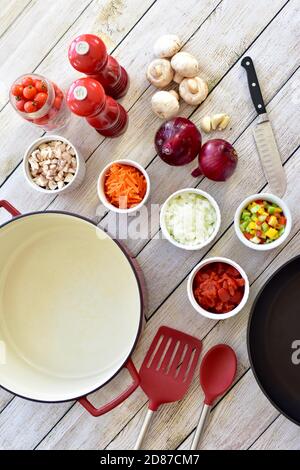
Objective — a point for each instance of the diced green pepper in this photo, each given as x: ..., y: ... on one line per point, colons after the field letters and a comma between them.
x: 245, y: 214
x: 271, y: 210
x: 243, y: 226
x: 265, y: 227
x: 255, y: 208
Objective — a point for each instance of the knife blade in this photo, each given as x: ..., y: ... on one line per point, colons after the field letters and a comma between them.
x: 264, y: 136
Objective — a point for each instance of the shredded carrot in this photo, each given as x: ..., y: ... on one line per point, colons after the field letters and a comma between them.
x: 125, y: 186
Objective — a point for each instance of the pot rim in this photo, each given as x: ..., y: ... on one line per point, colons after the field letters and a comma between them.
x: 139, y: 284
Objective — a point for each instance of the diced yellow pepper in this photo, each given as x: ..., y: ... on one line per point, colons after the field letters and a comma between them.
x: 252, y: 226
x: 261, y: 211
x: 273, y: 221
x: 271, y: 233
x: 277, y: 209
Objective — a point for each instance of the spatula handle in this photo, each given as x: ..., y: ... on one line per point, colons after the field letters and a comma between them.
x: 143, y: 431
x: 253, y: 84
x: 201, y: 426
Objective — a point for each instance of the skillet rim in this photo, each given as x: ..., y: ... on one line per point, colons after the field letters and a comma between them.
x: 250, y: 318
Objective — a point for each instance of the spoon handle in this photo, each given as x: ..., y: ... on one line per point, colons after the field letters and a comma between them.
x: 201, y: 425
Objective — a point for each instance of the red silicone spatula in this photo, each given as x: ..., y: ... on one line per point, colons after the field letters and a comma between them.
x: 217, y: 372
x: 167, y: 370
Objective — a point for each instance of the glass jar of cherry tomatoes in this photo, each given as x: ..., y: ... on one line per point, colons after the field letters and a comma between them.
x: 39, y: 101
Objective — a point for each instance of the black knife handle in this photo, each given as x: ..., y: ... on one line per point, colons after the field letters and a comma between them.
x: 253, y: 84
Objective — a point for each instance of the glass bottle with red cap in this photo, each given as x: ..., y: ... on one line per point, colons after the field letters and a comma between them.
x: 86, y: 97
x: 88, y: 54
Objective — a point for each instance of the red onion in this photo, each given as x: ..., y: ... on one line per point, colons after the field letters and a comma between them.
x: 178, y: 141
x: 217, y: 160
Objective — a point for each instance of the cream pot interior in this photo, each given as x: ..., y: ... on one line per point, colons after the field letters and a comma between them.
x: 70, y: 307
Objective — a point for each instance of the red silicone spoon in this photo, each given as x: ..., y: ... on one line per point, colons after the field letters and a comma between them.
x: 217, y: 372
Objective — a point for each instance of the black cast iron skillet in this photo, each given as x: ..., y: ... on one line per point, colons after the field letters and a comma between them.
x: 274, y: 339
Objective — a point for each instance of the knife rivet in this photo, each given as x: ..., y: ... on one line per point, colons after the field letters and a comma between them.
x: 247, y: 63
x: 259, y: 106
x: 253, y: 84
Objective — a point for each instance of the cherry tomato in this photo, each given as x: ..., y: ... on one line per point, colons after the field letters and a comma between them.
x: 17, y: 90
x: 29, y: 92
x: 27, y: 81
x: 41, y: 86
x: 40, y: 99
x: 20, y: 104
x: 30, y: 107
x: 57, y: 102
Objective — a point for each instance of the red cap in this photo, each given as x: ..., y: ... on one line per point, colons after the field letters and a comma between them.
x: 87, y: 54
x: 86, y: 97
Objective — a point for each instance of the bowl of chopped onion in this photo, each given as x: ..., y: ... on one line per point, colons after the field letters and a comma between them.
x: 190, y: 219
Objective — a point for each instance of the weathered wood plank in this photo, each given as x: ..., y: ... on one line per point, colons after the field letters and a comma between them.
x: 176, y: 312
x: 21, y: 427
x: 5, y: 398
x: 281, y: 435
x: 10, y: 10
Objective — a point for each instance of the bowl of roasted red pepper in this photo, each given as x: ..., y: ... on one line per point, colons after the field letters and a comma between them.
x: 218, y: 288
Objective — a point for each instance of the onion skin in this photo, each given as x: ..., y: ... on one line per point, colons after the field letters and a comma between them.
x: 217, y: 160
x: 178, y: 141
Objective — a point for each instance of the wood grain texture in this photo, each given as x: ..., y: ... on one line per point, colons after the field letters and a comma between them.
x: 219, y: 33
x: 280, y: 435
x: 10, y: 10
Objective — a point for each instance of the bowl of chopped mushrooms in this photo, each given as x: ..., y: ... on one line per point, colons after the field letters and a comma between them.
x: 53, y: 165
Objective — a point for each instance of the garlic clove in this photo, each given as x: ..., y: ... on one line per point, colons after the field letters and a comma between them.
x: 224, y: 123
x: 205, y: 124
x: 216, y: 120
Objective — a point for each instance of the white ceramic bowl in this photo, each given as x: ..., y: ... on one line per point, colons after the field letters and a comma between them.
x: 101, y: 193
x: 202, y: 311
x: 78, y: 177
x: 163, y: 223
x: 268, y: 197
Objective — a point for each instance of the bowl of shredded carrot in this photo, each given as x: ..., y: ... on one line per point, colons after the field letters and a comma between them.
x: 123, y: 186
x: 218, y: 288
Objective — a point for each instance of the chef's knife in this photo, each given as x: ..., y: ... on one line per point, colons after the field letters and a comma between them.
x: 263, y: 135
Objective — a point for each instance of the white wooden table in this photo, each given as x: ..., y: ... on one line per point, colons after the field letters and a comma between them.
x: 34, y: 36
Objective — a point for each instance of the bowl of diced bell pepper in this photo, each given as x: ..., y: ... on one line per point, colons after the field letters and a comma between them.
x: 263, y: 221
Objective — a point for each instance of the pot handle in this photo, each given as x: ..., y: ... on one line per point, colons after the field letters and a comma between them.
x: 118, y: 400
x: 11, y: 209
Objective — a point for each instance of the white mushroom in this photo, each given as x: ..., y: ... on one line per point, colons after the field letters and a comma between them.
x: 177, y: 78
x: 193, y: 90
x: 167, y: 45
x: 165, y: 104
x: 185, y: 64
x: 160, y: 73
